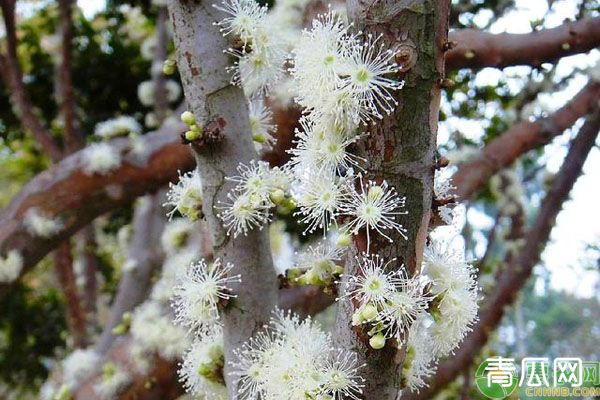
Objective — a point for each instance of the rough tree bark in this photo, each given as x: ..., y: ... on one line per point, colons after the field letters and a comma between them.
x: 213, y: 99
x: 519, y: 267
x: 401, y: 149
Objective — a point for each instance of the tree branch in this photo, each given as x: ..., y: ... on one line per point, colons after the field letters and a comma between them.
x: 63, y: 264
x: 66, y: 193
x: 478, y: 49
x: 210, y: 96
x: 522, y: 137
x: 160, y: 95
x: 13, y: 79
x: 146, y: 255
x: 64, y: 83
x: 520, y: 266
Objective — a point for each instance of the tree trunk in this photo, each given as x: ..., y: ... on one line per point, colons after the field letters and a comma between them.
x: 212, y: 99
x: 401, y: 150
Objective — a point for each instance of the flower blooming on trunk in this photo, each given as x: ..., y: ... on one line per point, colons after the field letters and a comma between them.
x: 374, y: 207
x: 199, y: 291
x: 344, y: 80
x: 294, y: 359
x: 186, y: 196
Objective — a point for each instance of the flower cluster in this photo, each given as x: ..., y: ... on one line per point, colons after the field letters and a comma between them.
x: 342, y: 80
x: 153, y: 332
x: 10, y: 266
x: 199, y: 291
x: 119, y: 126
x: 388, y: 300
x: 195, y: 300
x: 78, y: 366
x: 38, y: 224
x: 185, y: 197
x: 100, y: 158
x: 114, y: 378
x: 258, y: 189
x: 295, y: 359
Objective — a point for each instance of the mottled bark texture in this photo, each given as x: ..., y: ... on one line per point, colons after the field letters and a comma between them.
x: 401, y: 150
x: 213, y: 100
x: 518, y: 267
x: 66, y: 193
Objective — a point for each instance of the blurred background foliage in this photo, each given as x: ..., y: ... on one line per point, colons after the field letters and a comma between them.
x: 108, y: 67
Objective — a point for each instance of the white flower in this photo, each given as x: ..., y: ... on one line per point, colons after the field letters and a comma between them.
x: 341, y: 377
x: 154, y: 333
x: 365, y: 77
x: 258, y: 71
x: 455, y: 286
x: 243, y: 212
x: 147, y: 92
x: 114, y: 379
x: 404, y: 306
x: 10, y: 266
x: 244, y: 18
x: 176, y: 234
x: 294, y: 359
x: 38, y: 224
x: 320, y: 200
x: 174, y: 266
x: 200, y: 366
x: 148, y: 47
x: 249, y: 202
x: 420, y: 362
x: 374, y: 207
x: 442, y: 184
x: 372, y: 284
x: 261, y: 124
x: 321, y: 149
x: 100, y: 158
x: 119, y: 126
x: 199, y: 290
x: 186, y: 196
x: 78, y: 366
x: 318, y: 56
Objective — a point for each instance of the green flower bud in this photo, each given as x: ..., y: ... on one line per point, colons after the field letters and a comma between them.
x: 259, y: 138
x: 119, y: 330
x: 289, y: 203
x: 344, y: 240
x: 188, y: 118
x: 190, y: 136
x: 293, y: 273
x: 377, y: 342
x: 369, y: 312
x: 277, y: 196
x: 357, y: 318
x: 169, y: 67
x: 205, y: 370
x: 338, y: 270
